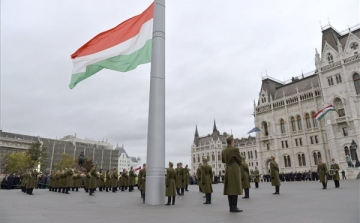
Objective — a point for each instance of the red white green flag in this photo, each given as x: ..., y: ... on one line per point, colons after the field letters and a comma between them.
x: 121, y: 48
x: 323, y: 112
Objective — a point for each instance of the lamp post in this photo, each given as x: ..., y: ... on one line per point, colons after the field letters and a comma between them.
x: 353, y: 146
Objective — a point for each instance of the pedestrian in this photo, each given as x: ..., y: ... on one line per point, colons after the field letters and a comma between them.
x: 245, y: 177
x: 232, y: 185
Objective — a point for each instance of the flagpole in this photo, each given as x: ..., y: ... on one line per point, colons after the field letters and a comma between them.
x: 155, y: 172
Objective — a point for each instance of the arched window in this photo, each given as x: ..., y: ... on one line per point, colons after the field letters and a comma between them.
x: 282, y: 126
x: 194, y: 159
x: 315, y: 122
x: 198, y: 157
x: 255, y: 154
x: 213, y: 156
x: 308, y: 122
x: 352, y: 153
x: 330, y: 58
x: 301, y: 159
x: 208, y: 156
x: 287, y: 161
x: 317, y: 157
x: 356, y: 78
x: 265, y: 126
x: 293, y: 124
x: 219, y: 156
x: 298, y: 119
x: 339, y: 107
x: 248, y: 154
x: 251, y: 153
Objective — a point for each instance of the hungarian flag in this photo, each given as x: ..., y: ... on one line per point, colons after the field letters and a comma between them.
x: 138, y: 168
x: 121, y: 48
x: 323, y: 112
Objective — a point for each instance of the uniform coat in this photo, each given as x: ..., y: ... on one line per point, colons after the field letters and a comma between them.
x: 245, y: 176
x: 231, y: 157
x: 274, y: 173
x: 132, y: 176
x: 257, y: 175
x: 322, y: 171
x: 336, y: 168
x: 206, y: 179
x: 170, y: 182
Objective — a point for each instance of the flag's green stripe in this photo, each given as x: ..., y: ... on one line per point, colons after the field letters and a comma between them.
x: 323, y: 114
x: 122, y: 63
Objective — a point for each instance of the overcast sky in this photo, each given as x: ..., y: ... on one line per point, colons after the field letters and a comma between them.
x: 216, y: 55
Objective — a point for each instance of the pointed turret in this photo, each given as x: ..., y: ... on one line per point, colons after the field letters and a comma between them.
x: 196, y: 137
x: 196, y: 132
x: 216, y: 132
x: 214, y: 129
x: 317, y: 58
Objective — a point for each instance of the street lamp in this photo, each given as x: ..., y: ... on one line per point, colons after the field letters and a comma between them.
x: 353, y: 146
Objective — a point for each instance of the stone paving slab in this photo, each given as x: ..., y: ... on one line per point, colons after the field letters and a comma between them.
x: 298, y: 202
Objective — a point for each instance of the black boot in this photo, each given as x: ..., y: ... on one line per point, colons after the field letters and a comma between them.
x: 208, y: 198
x: 169, y: 201
x: 143, y: 198
x: 276, y: 190
x: 182, y: 191
x: 186, y: 188
x: 246, y: 193
x: 230, y: 202
x: 256, y: 184
x: 234, y: 207
x: 59, y: 191
x: 178, y: 191
x: 107, y: 189
x: 67, y: 190
x: 173, y: 200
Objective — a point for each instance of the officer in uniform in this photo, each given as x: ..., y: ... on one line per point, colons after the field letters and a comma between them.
x: 206, y: 180
x: 232, y: 185
x: 336, y: 177
x: 198, y: 176
x: 245, y: 177
x: 170, y: 184
x: 322, y: 171
x: 131, y: 182
x: 257, y: 177
x: 274, y: 174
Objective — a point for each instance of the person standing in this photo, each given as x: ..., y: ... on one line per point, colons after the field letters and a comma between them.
x: 114, y: 180
x: 206, y: 180
x: 132, y: 176
x: 93, y: 177
x: 245, y: 177
x: 140, y: 179
x: 232, y: 185
x: 187, y: 177
x: 143, y: 182
x: 108, y: 181
x: 336, y: 177
x: 274, y: 174
x: 170, y: 184
x: 257, y: 177
x: 181, y: 179
x: 322, y: 171
x: 198, y: 176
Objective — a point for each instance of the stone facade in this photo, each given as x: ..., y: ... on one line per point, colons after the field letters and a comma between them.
x: 285, y: 110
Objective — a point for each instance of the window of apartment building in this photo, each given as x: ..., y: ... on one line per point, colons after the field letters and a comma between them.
x: 287, y: 161
x: 282, y: 126
x: 301, y: 159
x: 356, y: 79
x: 293, y: 125
x: 330, y: 81
x: 338, y: 78
x: 345, y: 131
x: 308, y: 122
x: 315, y: 122
x: 268, y: 146
x: 330, y: 58
x: 298, y: 119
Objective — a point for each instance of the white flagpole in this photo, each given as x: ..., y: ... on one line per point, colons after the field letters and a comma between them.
x: 155, y: 169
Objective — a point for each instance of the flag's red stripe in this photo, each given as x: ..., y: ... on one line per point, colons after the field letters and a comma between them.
x: 116, y: 35
x: 322, y: 110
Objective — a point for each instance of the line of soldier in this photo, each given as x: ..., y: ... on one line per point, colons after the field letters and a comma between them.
x: 28, y: 181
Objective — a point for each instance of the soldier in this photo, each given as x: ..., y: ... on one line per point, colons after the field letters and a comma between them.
x: 31, y: 182
x: 257, y: 177
x: 140, y: 181
x: 114, y: 180
x: 206, y: 180
x: 108, y: 180
x: 69, y: 173
x: 274, y: 173
x: 143, y: 182
x: 232, y: 185
x: 170, y: 184
x: 322, y: 171
x: 181, y: 179
x: 187, y: 177
x: 198, y: 176
x: 245, y: 177
x: 102, y: 180
x: 177, y: 179
x: 93, y: 177
x: 132, y: 176
x: 336, y: 177
x: 125, y: 179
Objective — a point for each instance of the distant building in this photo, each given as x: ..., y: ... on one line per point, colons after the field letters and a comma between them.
x: 211, y: 145
x: 102, y: 153
x: 125, y: 161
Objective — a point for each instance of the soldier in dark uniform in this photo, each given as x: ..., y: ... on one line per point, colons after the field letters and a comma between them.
x: 181, y: 179
x: 336, y: 177
x: 114, y: 180
x: 206, y: 180
x: 170, y: 184
x: 131, y: 181
x: 108, y: 181
x: 245, y: 177
x: 177, y: 179
x: 274, y: 173
x: 232, y: 185
x: 187, y: 177
x: 322, y: 172
x: 141, y: 180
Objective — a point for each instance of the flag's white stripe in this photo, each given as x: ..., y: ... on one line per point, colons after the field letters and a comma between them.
x: 125, y: 48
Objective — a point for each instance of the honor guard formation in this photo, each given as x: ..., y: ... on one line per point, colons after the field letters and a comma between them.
x: 236, y: 179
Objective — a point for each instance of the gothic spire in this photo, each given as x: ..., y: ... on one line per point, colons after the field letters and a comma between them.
x: 196, y: 132
x: 214, y: 129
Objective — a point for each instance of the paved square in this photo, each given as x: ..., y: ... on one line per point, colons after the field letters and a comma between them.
x: 298, y: 202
